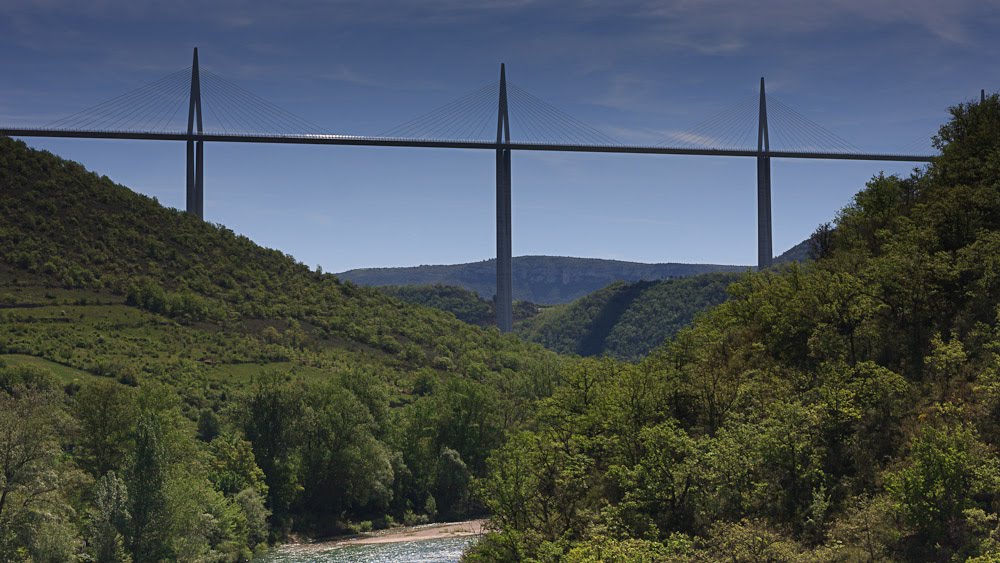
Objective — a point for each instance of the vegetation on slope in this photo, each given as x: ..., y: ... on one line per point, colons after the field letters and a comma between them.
x: 799, y: 253
x: 171, y: 391
x: 626, y: 320
x: 841, y: 410
x: 465, y: 304
x: 547, y: 280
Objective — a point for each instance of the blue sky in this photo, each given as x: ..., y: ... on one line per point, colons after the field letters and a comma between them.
x: 879, y: 73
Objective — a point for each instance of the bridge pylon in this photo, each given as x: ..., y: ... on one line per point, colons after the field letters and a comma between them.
x: 764, y: 246
x: 195, y: 149
x: 504, y: 296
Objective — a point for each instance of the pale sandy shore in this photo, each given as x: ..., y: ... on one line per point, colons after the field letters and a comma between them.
x: 417, y: 533
x: 404, y: 534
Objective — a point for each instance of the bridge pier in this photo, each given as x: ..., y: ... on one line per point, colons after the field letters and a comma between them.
x: 504, y: 296
x: 195, y: 149
x: 764, y: 246
x: 765, y: 252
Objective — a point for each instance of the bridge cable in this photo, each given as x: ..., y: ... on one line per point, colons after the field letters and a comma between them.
x: 417, y: 127
x: 552, y: 119
x: 135, y: 117
x: 110, y: 112
x: 707, y: 133
x: 266, y: 111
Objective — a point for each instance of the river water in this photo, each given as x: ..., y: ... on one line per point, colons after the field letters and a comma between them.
x: 440, y: 550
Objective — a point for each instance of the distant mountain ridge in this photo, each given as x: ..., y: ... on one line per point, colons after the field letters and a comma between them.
x: 539, y: 279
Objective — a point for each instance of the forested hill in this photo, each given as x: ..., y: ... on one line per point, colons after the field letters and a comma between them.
x: 622, y: 320
x: 465, y: 304
x: 170, y: 390
x: 71, y: 228
x: 839, y: 410
x: 544, y: 280
x: 798, y: 253
x: 626, y: 320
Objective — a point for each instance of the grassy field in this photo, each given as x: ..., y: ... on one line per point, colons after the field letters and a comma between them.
x: 65, y: 374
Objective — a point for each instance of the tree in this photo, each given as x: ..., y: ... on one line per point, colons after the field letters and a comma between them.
x: 105, y: 411
x: 146, y: 479
x: 109, y: 520
x: 947, y: 468
x: 36, y: 480
x: 233, y: 468
x: 343, y: 465
x: 208, y: 425
x: 269, y: 416
x: 659, y: 492
x: 32, y: 475
x: 970, y: 144
x: 821, y: 241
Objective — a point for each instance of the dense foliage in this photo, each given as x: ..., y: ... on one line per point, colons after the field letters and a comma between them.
x: 547, y: 280
x: 841, y: 410
x: 171, y: 391
x: 626, y: 320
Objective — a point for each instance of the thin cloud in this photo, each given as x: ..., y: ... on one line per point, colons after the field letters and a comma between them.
x: 628, y: 92
x: 346, y: 74
x: 731, y: 22
x: 687, y: 138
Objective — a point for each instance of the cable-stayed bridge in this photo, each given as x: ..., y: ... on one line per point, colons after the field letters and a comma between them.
x: 218, y: 110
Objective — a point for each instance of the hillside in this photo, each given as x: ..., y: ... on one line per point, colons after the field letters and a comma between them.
x: 68, y: 228
x: 798, y: 253
x: 546, y: 280
x: 466, y: 305
x: 170, y: 390
x: 626, y: 320
x: 622, y: 320
x: 838, y: 410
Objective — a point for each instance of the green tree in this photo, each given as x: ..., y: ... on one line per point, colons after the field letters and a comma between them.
x: 109, y: 520
x: 233, y: 467
x: 970, y: 144
x: 946, y: 470
x: 33, y: 477
x: 105, y: 411
x: 269, y: 417
x: 146, y: 479
x: 659, y: 493
x: 343, y: 465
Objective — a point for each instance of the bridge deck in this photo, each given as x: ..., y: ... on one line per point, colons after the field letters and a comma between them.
x: 350, y: 140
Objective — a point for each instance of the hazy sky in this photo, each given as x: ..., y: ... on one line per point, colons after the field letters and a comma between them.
x: 879, y: 73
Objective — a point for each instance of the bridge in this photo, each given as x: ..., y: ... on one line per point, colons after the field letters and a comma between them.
x: 150, y: 113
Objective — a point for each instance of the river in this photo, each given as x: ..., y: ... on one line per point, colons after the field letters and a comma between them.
x: 436, y: 543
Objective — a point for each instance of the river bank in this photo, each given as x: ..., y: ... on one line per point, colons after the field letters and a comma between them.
x: 440, y: 542
x: 416, y: 533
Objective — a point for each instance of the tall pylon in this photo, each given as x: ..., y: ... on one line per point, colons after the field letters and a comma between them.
x: 764, y: 247
x: 195, y: 149
x: 505, y: 297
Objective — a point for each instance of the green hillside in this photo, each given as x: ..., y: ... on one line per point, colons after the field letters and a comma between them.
x: 798, y: 253
x: 171, y: 391
x: 626, y: 320
x: 466, y: 305
x: 92, y: 242
x: 845, y: 409
x: 546, y: 280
